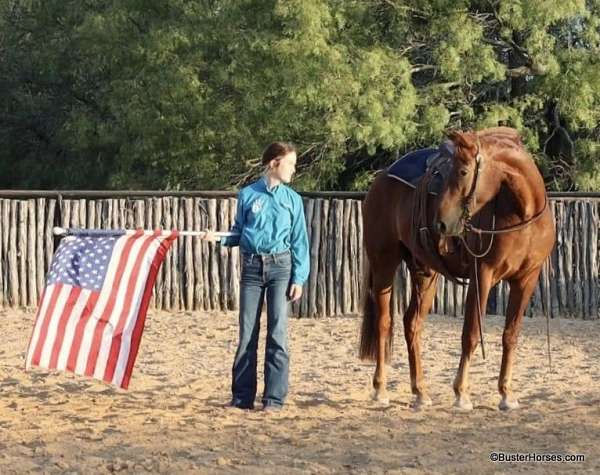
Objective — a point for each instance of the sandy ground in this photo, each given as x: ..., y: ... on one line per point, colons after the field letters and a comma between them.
x: 171, y: 420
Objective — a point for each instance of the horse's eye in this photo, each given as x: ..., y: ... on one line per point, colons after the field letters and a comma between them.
x: 464, y: 172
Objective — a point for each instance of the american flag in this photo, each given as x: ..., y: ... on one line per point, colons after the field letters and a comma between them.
x: 92, y: 311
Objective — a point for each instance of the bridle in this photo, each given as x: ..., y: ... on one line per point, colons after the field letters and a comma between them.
x: 470, y: 198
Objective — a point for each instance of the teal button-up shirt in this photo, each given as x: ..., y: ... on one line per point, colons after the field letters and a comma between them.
x: 271, y: 221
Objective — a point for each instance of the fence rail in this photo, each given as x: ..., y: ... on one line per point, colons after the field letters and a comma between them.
x: 200, y: 276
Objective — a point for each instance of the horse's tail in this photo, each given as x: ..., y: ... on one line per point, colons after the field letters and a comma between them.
x: 369, y: 332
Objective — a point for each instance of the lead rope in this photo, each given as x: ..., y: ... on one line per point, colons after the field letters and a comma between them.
x: 548, y: 265
x: 479, y: 311
x: 475, y: 257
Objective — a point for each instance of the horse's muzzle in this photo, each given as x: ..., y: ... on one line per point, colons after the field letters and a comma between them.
x: 446, y: 230
x: 440, y: 228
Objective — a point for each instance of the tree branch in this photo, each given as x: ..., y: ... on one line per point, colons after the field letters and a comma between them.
x: 522, y: 71
x: 423, y: 67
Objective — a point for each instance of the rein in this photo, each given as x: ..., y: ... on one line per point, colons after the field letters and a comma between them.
x: 515, y: 227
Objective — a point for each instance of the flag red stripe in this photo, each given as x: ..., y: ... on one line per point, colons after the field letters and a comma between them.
x: 79, y: 329
x: 62, y: 323
x: 44, y: 329
x: 141, y: 316
x: 37, y: 317
x: 105, y: 317
x: 113, y: 355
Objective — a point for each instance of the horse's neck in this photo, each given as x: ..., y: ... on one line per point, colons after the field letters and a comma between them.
x: 519, y: 174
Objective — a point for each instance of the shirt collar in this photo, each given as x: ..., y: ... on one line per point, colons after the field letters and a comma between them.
x: 265, y: 184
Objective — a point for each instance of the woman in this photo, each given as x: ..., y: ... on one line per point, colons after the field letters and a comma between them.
x: 271, y: 233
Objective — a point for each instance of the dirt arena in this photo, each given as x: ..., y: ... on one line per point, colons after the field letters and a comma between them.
x: 172, y: 420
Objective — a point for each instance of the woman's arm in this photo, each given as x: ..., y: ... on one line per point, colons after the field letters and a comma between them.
x: 236, y: 229
x: 299, y: 245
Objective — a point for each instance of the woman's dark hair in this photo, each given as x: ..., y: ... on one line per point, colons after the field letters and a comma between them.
x: 276, y: 150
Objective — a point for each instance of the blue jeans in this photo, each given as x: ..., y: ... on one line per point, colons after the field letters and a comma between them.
x: 270, y: 275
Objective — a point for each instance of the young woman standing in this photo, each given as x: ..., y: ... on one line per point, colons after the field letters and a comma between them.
x: 270, y: 229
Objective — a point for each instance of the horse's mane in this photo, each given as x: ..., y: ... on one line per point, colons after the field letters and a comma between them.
x: 502, y: 138
x: 507, y: 133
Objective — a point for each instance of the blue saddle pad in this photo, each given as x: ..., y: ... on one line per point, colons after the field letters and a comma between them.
x: 411, y: 167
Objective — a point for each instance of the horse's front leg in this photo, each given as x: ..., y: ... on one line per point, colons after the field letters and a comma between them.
x: 520, y: 294
x: 470, y: 334
x: 422, y: 295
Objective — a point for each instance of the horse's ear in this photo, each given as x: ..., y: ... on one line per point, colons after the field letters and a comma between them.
x: 463, y: 139
x: 452, y: 134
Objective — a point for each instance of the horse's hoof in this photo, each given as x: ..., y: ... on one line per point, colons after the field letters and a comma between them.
x: 463, y: 404
x: 380, y: 397
x: 384, y: 401
x: 508, y: 404
x: 421, y: 403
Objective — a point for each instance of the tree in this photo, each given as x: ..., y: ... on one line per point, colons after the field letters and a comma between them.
x: 185, y: 94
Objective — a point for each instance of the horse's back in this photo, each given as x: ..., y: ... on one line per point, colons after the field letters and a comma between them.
x: 387, y: 205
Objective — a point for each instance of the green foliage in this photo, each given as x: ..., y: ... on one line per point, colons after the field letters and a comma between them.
x: 185, y: 94
x: 588, y: 178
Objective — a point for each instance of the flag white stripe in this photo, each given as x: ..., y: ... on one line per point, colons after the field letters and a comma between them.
x: 109, y: 329
x: 65, y: 348
x: 90, y: 326
x: 123, y: 354
x: 133, y: 314
x: 38, y: 324
x: 63, y: 295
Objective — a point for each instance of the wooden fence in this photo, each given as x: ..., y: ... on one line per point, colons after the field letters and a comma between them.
x: 201, y: 276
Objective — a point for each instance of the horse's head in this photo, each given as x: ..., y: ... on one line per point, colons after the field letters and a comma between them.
x: 459, y: 198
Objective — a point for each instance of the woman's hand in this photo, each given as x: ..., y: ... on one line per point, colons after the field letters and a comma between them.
x: 295, y: 292
x: 209, y: 235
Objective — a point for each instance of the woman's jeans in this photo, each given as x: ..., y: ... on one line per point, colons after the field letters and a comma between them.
x: 270, y: 275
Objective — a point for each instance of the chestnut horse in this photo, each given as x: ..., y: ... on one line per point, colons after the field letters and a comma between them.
x: 490, y: 222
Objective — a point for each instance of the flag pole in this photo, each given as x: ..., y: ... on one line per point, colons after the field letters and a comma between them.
x: 58, y: 231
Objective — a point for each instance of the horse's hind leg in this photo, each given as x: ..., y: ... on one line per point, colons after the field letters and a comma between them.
x: 383, y: 271
x: 520, y: 293
x: 470, y: 335
x: 422, y: 295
